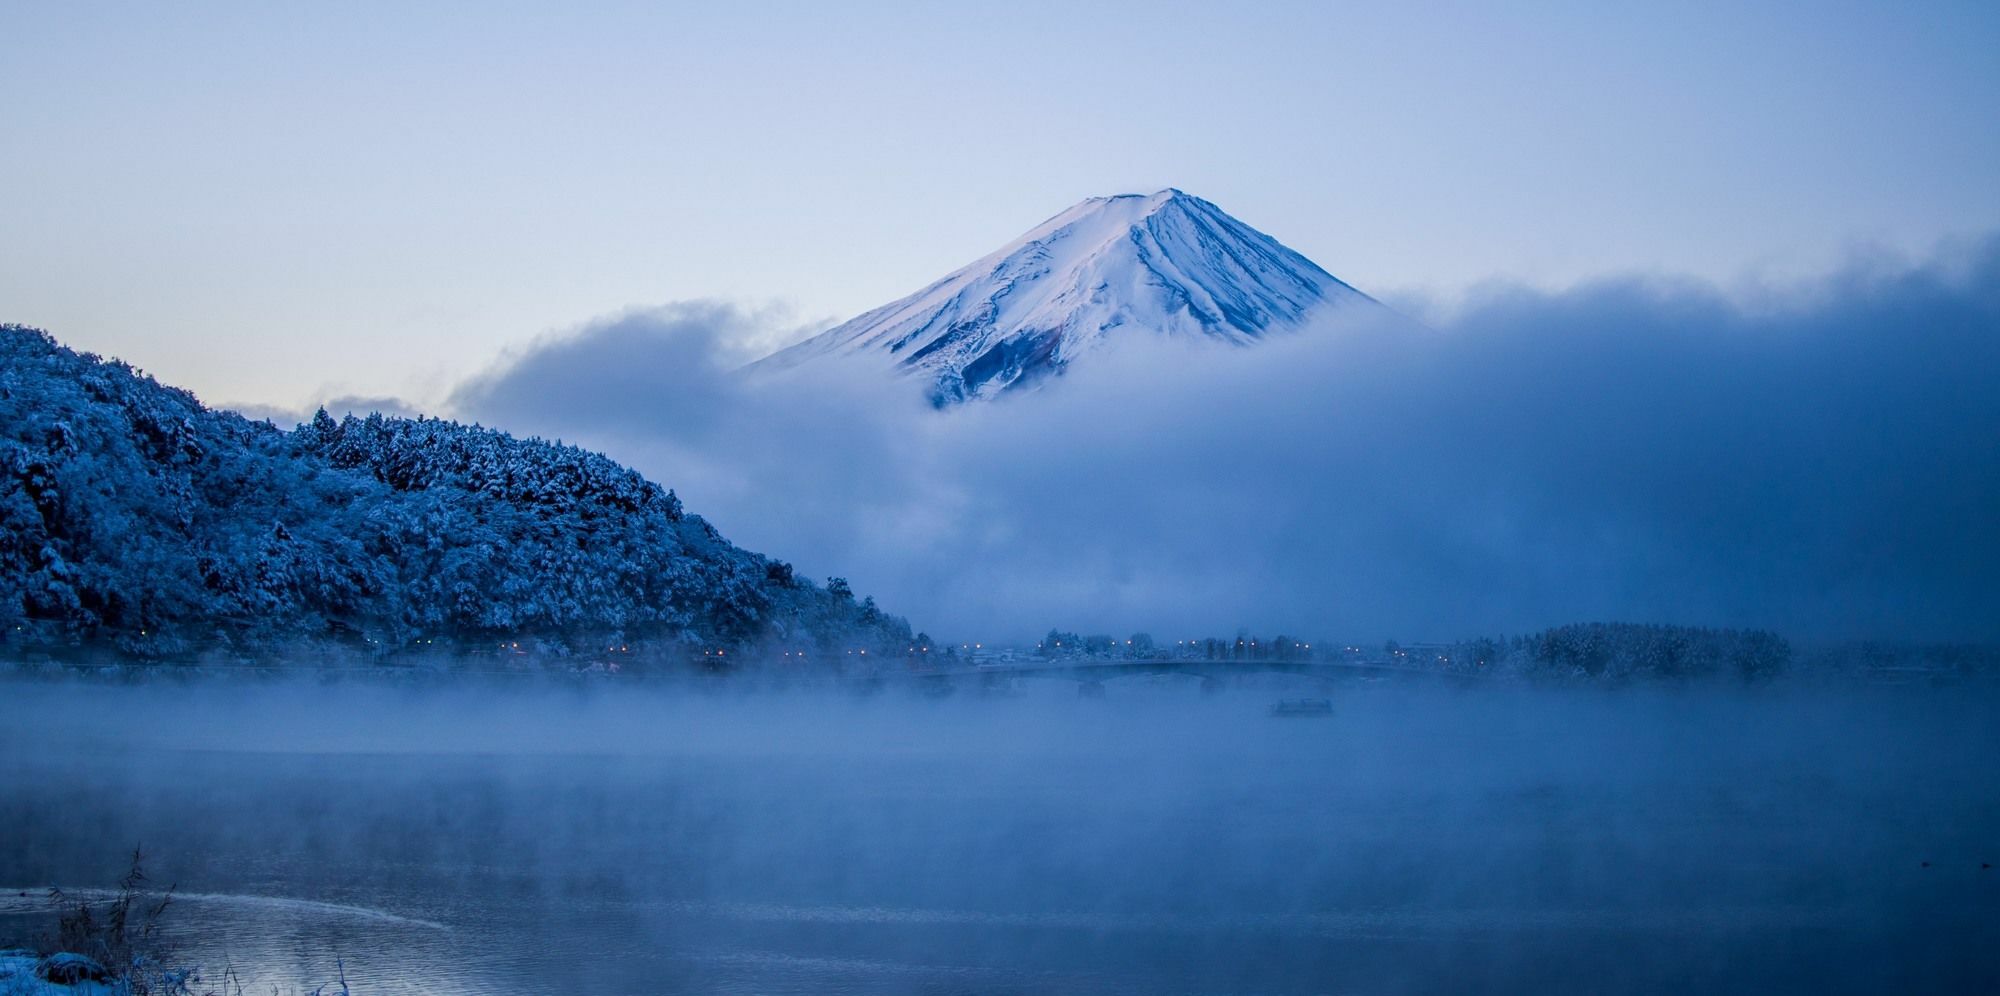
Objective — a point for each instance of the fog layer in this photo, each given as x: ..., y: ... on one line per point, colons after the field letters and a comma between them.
x: 1822, y: 459
x: 1155, y: 839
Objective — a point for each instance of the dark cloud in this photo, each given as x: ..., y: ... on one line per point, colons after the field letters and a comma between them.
x: 1825, y: 460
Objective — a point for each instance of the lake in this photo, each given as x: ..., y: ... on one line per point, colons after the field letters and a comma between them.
x: 1159, y: 839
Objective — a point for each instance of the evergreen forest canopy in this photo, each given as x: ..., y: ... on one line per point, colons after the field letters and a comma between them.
x: 137, y: 522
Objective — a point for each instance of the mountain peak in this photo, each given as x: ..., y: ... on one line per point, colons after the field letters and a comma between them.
x: 1152, y: 202
x: 1106, y: 268
x: 1111, y: 214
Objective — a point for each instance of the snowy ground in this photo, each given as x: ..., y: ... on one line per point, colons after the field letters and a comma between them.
x: 17, y: 978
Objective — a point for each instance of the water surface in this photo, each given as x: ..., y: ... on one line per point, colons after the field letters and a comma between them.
x: 1155, y: 840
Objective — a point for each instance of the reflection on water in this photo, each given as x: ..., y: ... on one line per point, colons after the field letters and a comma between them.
x: 1154, y: 840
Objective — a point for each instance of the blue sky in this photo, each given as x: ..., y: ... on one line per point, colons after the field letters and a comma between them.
x: 276, y: 205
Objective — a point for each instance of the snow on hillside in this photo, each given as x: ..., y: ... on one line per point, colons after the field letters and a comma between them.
x: 138, y: 522
x: 1169, y: 263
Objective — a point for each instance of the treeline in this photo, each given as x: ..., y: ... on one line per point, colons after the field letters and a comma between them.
x: 138, y: 523
x: 1615, y: 652
x: 1624, y: 652
x: 1597, y: 652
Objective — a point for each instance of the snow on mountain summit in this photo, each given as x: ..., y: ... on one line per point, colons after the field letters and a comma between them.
x: 1167, y: 263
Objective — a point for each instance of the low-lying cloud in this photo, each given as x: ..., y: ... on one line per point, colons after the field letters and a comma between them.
x: 1824, y: 461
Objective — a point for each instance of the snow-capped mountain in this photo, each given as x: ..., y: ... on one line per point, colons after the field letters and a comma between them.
x: 1168, y: 264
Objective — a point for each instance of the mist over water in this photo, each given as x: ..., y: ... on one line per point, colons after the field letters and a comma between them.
x: 619, y: 838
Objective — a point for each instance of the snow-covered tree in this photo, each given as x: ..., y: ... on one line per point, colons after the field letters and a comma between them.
x: 136, y: 519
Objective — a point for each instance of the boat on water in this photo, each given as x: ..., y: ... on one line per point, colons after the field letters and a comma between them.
x: 1303, y: 707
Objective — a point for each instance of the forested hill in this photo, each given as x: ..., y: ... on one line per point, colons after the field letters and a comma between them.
x: 134, y: 519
